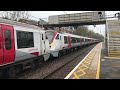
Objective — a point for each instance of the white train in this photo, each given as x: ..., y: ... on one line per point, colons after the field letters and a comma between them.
x: 64, y: 42
x: 23, y: 45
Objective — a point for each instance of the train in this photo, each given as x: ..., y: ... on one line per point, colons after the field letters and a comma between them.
x: 23, y: 46
x: 66, y: 42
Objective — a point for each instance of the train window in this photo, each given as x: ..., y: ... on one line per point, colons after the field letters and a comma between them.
x: 78, y: 40
x: 46, y: 35
x: 65, y: 40
x: 25, y: 39
x: 42, y: 37
x: 60, y: 37
x: 50, y: 35
x: 57, y: 37
x: 83, y: 39
x: 7, y: 39
x: 73, y: 40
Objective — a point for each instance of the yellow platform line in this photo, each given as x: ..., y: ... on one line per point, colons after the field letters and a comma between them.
x: 81, y: 75
x: 75, y: 76
x: 85, y: 65
x: 98, y: 68
x: 87, y: 59
x: 78, y: 76
x: 88, y: 62
x: 82, y: 69
x: 81, y: 66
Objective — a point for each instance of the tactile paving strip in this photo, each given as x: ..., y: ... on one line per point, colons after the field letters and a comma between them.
x: 89, y: 68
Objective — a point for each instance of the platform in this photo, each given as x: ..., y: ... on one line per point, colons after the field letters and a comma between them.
x: 89, y: 67
x: 109, y: 66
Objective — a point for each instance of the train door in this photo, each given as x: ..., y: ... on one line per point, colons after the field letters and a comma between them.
x: 80, y: 42
x: 1, y: 45
x: 61, y: 44
x: 43, y: 43
x: 57, y: 42
x: 69, y: 42
x: 7, y: 45
x: 45, y: 46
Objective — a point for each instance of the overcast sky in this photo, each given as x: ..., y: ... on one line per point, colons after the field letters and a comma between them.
x: 46, y: 14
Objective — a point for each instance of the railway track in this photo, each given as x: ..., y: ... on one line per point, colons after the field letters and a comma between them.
x: 49, y: 76
x: 49, y: 68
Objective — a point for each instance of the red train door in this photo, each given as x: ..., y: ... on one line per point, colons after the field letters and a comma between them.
x: 69, y: 42
x: 7, y: 44
x: 1, y: 49
x: 80, y: 41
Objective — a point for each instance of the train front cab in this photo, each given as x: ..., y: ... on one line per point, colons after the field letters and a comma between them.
x: 54, y: 42
x: 58, y: 42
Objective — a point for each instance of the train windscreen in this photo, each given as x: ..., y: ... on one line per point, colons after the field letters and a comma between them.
x: 50, y: 35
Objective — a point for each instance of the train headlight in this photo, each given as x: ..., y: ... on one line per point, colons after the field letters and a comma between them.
x: 51, y: 44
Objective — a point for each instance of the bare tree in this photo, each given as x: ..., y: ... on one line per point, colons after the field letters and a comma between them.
x: 25, y: 15
x: 16, y: 15
x: 84, y: 31
x: 6, y: 14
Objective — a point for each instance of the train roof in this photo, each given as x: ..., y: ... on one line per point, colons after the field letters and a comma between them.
x: 72, y: 35
x: 15, y: 23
